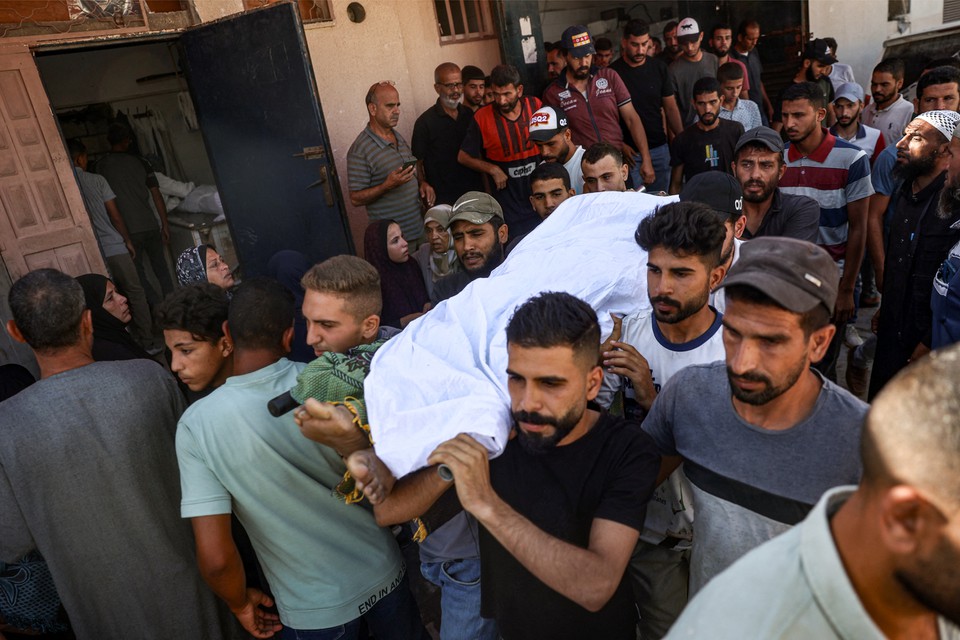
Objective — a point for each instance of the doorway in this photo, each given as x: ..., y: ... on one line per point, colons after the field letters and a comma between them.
x: 141, y: 85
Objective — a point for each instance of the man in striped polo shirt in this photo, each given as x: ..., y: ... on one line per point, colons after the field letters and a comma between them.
x: 381, y: 169
x: 836, y: 174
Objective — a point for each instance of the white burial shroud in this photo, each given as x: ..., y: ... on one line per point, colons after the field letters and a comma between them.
x: 445, y: 374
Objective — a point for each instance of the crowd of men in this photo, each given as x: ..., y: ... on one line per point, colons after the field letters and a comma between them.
x: 697, y: 472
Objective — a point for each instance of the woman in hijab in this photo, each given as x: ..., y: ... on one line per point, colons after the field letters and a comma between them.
x: 288, y: 268
x: 202, y: 263
x: 111, y: 315
x: 401, y: 282
x: 436, y: 256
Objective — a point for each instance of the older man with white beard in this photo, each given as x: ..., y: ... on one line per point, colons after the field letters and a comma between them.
x: 437, y: 136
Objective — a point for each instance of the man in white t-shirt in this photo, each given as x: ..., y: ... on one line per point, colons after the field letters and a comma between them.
x: 550, y: 131
x: 684, y: 242
x: 889, y: 112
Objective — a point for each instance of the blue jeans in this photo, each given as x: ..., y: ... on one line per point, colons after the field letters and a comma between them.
x: 459, y: 582
x: 396, y: 617
x: 660, y: 157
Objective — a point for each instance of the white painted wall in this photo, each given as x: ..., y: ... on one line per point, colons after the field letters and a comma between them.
x: 859, y: 26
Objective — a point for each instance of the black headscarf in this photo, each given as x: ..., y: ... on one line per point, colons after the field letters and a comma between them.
x: 110, y: 338
x: 401, y: 284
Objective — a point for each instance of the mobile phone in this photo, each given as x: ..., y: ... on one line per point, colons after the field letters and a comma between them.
x: 408, y: 164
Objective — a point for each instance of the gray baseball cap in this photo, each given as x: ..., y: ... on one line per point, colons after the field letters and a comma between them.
x: 475, y: 207
x: 764, y: 135
x: 796, y: 274
x: 849, y: 90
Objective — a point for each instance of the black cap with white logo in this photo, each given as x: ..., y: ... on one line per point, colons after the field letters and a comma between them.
x: 718, y: 190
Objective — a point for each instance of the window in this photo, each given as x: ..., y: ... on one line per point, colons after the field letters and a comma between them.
x: 462, y: 20
x: 310, y: 10
x: 951, y: 10
x: 897, y: 9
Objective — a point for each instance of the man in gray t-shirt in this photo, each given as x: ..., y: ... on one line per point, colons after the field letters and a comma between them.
x: 694, y: 63
x: 762, y: 435
x: 89, y: 478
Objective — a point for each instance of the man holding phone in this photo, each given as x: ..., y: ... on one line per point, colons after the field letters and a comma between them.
x: 381, y: 168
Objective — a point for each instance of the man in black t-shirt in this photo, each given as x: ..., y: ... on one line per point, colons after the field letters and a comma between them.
x: 561, y: 509
x: 650, y: 89
x: 706, y: 145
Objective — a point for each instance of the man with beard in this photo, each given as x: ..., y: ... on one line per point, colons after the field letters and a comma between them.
x: 758, y: 165
x: 381, y: 168
x: 847, y: 105
x: 683, y: 242
x: 878, y: 560
x: 671, y: 45
x: 437, y: 136
x: 473, y: 87
x: 921, y: 234
x: 748, y: 34
x: 550, y: 131
x: 945, y: 300
x: 708, y: 144
x: 555, y: 60
x: 721, y: 39
x: 560, y: 510
x: 646, y: 78
x: 693, y: 64
x: 498, y: 144
x: 761, y: 435
x: 836, y: 174
x: 817, y: 58
x: 479, y: 235
x: 889, y: 112
x: 595, y: 100
x: 604, y: 169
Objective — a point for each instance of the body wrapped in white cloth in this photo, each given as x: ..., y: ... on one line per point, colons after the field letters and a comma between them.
x: 445, y: 374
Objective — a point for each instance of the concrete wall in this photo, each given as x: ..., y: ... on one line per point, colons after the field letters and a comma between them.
x: 859, y: 26
x: 397, y: 41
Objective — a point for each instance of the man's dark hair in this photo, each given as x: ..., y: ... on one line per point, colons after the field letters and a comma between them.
x: 749, y: 23
x: 810, y: 321
x: 636, y: 28
x: 556, y: 319
x: 76, y: 148
x: 832, y: 43
x: 550, y: 171
x: 720, y: 25
x: 504, y: 75
x: 940, y: 62
x: 729, y: 71
x: 603, y: 44
x: 706, y: 84
x: 684, y: 228
x: 260, y: 312
x: 805, y: 91
x: 199, y: 309
x: 939, y: 75
x: 118, y: 132
x: 756, y: 145
x: 893, y: 66
x: 670, y: 26
x: 599, y: 150
x: 47, y: 306
x: 471, y: 72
